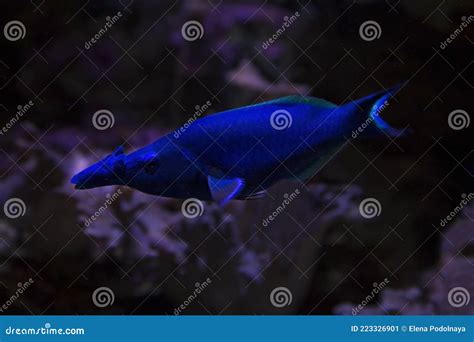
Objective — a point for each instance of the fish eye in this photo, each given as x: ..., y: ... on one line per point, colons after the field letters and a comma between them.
x: 150, y: 162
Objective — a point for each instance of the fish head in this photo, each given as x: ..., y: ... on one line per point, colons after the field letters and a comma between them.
x: 161, y: 169
x: 151, y: 167
x: 145, y: 165
x: 109, y: 171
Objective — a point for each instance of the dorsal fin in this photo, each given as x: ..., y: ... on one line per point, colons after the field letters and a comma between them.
x: 295, y: 99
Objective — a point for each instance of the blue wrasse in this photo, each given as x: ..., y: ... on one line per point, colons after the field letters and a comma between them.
x: 239, y: 153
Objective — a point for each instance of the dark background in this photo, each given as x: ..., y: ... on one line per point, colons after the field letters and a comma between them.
x: 151, y: 79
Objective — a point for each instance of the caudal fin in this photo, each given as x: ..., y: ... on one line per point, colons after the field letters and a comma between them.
x: 373, y: 107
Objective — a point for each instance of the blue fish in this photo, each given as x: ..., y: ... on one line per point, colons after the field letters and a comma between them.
x: 240, y: 153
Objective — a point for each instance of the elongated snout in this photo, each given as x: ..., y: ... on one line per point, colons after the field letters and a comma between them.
x: 96, y: 175
x: 81, y: 180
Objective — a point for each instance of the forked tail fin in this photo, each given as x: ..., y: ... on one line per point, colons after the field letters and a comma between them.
x: 373, y: 107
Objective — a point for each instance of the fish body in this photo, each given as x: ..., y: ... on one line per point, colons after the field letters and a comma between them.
x: 239, y: 153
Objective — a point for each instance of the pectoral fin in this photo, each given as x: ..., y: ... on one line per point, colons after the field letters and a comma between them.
x: 225, y: 189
